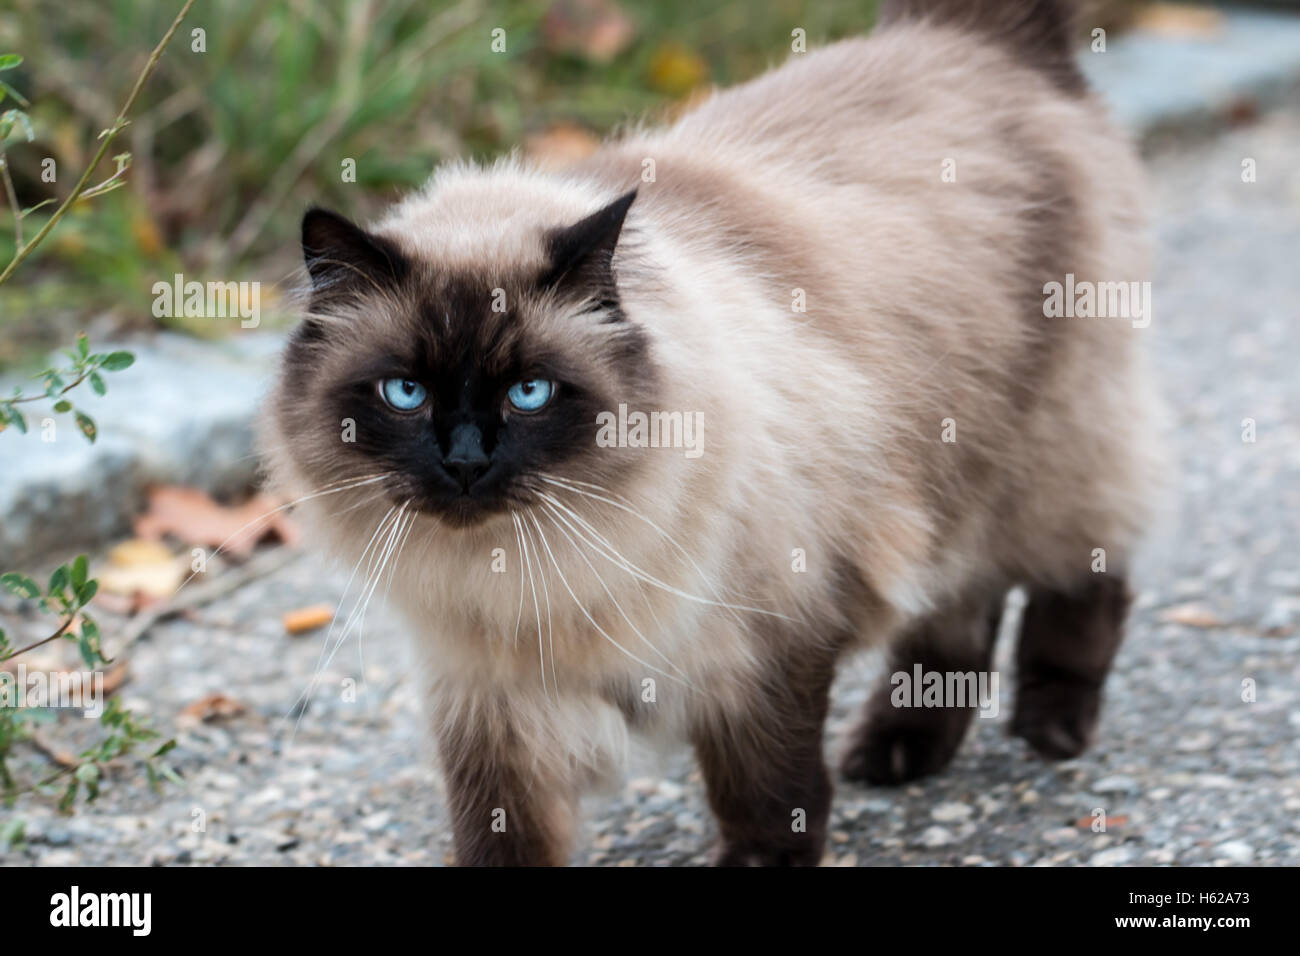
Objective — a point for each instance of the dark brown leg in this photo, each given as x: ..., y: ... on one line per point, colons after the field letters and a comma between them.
x: 1067, y: 643
x: 893, y: 744
x: 763, y: 767
x: 507, y: 807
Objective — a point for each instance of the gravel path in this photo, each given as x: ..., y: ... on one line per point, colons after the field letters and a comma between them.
x: 1186, y: 770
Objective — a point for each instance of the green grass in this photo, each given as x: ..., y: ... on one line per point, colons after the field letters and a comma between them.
x: 231, y: 144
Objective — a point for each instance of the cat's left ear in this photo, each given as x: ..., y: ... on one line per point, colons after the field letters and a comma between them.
x: 582, y: 255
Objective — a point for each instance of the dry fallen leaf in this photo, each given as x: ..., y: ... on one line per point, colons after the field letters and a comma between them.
x: 1086, y: 823
x: 1191, y: 615
x: 136, y: 552
x: 560, y: 146
x: 142, y: 571
x: 596, y: 30
x: 193, y: 517
x: 308, y: 618
x: 215, y: 706
x: 1176, y: 20
x: 115, y: 676
x: 64, y: 758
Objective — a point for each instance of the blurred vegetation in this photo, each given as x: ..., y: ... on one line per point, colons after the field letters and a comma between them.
x: 230, y: 144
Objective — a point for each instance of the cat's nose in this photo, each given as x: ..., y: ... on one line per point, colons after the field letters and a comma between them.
x: 465, y: 460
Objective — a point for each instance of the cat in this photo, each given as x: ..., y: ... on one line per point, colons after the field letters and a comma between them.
x: 837, y: 272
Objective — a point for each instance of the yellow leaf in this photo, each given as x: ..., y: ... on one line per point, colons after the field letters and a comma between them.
x: 676, y: 71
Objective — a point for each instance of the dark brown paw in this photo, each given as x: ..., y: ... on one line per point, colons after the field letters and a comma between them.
x: 889, y: 753
x: 735, y: 854
x: 1056, y: 717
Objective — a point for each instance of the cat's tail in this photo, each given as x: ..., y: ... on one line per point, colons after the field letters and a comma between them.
x: 1040, y: 33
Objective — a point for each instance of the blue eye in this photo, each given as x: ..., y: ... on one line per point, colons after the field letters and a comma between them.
x: 531, y: 395
x: 403, y: 394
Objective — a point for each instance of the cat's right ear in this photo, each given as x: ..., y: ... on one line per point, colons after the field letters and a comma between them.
x: 344, y: 261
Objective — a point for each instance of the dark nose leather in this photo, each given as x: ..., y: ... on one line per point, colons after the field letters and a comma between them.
x: 465, y: 460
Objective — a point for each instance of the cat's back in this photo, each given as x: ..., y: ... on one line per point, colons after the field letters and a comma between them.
x: 897, y: 97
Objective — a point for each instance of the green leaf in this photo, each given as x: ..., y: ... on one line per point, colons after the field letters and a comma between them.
x: 86, y: 648
x: 19, y: 584
x: 6, y: 88
x: 69, y: 795
x: 80, y: 568
x: 97, y: 384
x: 11, y: 416
x: 116, y: 361
x: 63, y: 405
x: 11, y: 834
x: 87, y: 426
x: 83, y: 345
x: 9, y: 117
x: 10, y: 60
x: 165, y: 749
x: 31, y: 209
x: 92, y: 652
x: 87, y: 591
x: 59, y: 579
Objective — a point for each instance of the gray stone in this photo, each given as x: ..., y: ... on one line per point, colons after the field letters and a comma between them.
x: 183, y: 413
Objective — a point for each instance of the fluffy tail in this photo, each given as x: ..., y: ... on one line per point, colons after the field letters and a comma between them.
x: 1040, y: 33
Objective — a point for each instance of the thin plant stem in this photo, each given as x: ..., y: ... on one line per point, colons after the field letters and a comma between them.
x: 107, y: 137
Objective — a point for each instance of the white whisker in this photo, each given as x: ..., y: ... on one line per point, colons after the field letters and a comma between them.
x: 305, y: 696
x: 618, y: 560
x: 550, y: 635
x: 537, y: 613
x: 585, y: 613
x: 625, y: 505
x: 520, y: 550
x: 348, y: 485
x: 617, y: 605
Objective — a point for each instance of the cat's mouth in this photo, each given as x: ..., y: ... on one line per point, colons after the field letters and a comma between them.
x: 467, y: 511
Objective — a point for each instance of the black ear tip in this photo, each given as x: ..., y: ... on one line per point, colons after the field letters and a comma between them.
x: 317, y: 222
x: 612, y: 216
x: 619, y: 207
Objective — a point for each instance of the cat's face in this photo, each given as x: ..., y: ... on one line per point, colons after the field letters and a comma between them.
x: 465, y: 387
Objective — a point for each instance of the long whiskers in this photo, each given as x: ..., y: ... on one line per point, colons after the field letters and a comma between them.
x: 375, y: 573
x: 606, y: 550
x: 537, y: 611
x: 550, y: 635
x: 386, y: 529
x: 610, y: 594
x: 622, y: 503
x: 603, y: 633
x: 347, y: 484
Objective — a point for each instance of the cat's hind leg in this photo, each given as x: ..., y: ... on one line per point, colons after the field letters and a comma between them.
x: 1068, y: 640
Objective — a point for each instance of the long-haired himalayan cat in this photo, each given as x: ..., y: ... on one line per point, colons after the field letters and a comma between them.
x: 648, y: 444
